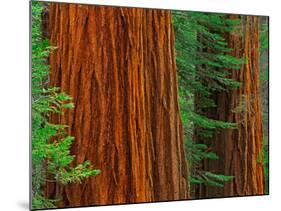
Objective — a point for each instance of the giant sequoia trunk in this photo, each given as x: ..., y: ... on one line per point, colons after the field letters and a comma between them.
x: 118, y: 64
x: 240, y: 150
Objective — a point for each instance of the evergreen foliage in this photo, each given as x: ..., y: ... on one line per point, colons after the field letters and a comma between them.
x: 202, y: 61
x: 49, y: 157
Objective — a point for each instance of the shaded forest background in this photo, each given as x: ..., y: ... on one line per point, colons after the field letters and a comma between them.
x: 140, y: 105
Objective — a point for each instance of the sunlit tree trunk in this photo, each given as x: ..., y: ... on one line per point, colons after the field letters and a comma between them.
x: 240, y: 150
x: 118, y: 64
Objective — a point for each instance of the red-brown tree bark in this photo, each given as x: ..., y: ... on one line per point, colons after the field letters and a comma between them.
x: 118, y: 64
x: 240, y: 150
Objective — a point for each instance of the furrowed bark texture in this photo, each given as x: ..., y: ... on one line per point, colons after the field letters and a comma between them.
x: 118, y: 64
x: 240, y: 150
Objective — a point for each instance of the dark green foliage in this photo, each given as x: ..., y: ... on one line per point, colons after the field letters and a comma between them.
x: 264, y: 72
x: 210, y: 179
x: 203, y: 61
x: 264, y: 38
x: 50, y: 143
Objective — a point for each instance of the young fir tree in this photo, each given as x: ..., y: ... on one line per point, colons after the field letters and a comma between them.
x: 50, y: 142
x: 241, y: 150
x: 202, y: 58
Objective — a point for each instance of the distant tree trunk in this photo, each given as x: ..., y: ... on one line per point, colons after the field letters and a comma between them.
x: 118, y: 64
x: 240, y: 150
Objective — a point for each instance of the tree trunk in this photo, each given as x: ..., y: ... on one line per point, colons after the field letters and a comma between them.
x: 118, y: 64
x: 240, y: 150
